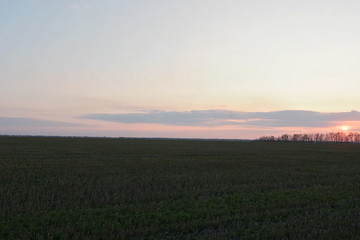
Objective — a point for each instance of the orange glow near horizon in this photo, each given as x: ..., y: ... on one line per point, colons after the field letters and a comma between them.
x: 345, y: 128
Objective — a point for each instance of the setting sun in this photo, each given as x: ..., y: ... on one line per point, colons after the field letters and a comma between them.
x: 344, y: 128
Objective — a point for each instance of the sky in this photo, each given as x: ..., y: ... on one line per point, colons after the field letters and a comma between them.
x: 179, y: 68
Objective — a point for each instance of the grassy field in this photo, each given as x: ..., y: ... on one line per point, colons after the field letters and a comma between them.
x: 88, y: 188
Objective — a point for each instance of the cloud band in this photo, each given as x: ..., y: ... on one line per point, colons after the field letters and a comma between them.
x: 287, y: 118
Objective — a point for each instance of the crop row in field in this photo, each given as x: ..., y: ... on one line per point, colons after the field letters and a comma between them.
x: 89, y: 188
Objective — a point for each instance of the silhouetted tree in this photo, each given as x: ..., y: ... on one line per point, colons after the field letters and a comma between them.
x: 338, y: 137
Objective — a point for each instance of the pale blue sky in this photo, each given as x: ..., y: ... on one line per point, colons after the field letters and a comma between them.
x: 63, y: 59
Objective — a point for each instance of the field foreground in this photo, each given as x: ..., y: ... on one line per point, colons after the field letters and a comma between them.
x: 88, y: 188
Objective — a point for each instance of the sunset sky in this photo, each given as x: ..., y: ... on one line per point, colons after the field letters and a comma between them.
x: 179, y: 68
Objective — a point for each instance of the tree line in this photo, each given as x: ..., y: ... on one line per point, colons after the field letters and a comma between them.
x: 337, y: 137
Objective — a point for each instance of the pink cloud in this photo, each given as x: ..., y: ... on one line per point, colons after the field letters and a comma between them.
x: 78, y: 4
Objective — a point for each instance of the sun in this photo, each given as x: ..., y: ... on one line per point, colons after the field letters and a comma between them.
x: 344, y: 128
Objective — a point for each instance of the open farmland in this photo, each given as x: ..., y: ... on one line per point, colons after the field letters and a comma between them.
x: 89, y: 188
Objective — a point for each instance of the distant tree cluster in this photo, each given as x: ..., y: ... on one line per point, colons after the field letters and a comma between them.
x: 337, y: 137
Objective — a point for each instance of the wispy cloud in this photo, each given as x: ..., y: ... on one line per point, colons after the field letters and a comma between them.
x: 79, y: 4
x: 32, y: 122
x: 75, y: 6
x: 287, y: 118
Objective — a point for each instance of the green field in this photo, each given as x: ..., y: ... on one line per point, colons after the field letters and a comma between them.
x: 88, y: 188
